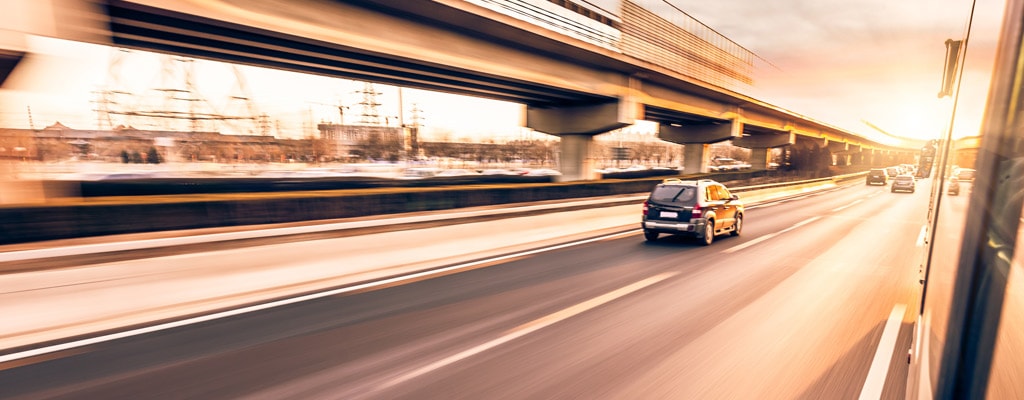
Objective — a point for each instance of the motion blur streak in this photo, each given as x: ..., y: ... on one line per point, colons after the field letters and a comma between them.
x: 799, y: 316
x: 883, y: 355
x: 532, y: 326
x: 259, y: 307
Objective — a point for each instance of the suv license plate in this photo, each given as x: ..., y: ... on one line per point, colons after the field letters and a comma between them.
x: 669, y: 214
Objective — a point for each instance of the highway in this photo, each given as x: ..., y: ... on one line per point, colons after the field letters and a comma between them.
x: 814, y: 300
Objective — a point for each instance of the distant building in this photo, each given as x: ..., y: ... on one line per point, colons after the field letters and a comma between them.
x: 60, y: 142
x: 360, y: 141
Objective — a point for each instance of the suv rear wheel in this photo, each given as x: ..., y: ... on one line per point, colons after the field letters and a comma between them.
x: 709, y: 232
x: 650, y: 235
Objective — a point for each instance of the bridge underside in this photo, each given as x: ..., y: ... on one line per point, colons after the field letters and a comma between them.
x: 697, y: 132
x: 570, y: 88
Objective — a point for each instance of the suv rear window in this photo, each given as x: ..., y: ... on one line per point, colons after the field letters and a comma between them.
x: 675, y: 194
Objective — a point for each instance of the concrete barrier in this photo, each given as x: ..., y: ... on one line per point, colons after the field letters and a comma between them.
x: 72, y: 218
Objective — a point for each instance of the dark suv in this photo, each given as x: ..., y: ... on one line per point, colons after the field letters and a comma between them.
x: 877, y: 175
x: 701, y: 209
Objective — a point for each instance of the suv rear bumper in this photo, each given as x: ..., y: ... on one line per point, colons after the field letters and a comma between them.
x: 675, y: 227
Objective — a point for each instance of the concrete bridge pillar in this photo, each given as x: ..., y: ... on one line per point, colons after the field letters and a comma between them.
x: 874, y: 158
x: 856, y: 155
x: 575, y: 160
x: 759, y: 158
x: 696, y: 158
x: 696, y: 138
x: 577, y: 126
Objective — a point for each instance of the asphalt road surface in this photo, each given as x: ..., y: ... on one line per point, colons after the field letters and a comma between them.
x: 797, y: 307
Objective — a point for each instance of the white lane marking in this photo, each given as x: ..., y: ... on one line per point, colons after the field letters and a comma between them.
x: 769, y: 236
x: 530, y: 327
x: 293, y: 300
x: 22, y: 255
x: 750, y: 243
x: 883, y: 355
x: 838, y: 209
x: 921, y: 237
x: 774, y: 203
x: 801, y: 223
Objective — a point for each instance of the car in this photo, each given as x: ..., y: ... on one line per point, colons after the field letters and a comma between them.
x: 965, y: 174
x: 698, y: 208
x: 498, y: 171
x: 893, y: 171
x: 954, y: 186
x: 721, y: 164
x: 903, y: 183
x: 419, y: 173
x: 877, y: 175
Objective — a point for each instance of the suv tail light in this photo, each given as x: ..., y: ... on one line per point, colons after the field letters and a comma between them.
x: 697, y: 212
x: 646, y: 208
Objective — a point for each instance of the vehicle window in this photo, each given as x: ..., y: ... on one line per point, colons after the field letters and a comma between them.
x: 723, y: 193
x: 711, y: 193
x: 1005, y: 236
x: 972, y: 313
x: 674, y: 193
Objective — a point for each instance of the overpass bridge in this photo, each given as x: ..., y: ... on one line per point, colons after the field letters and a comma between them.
x: 579, y: 68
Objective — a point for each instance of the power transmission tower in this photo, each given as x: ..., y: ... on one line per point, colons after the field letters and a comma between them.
x: 415, y: 122
x: 241, y: 107
x: 415, y: 116
x: 178, y: 100
x: 111, y: 97
x: 371, y: 108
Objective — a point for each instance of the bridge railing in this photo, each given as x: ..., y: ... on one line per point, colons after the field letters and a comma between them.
x: 654, y: 31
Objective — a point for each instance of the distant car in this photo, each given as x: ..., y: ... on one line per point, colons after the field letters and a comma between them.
x: 701, y: 209
x: 903, y: 183
x: 877, y: 176
x: 498, y: 171
x: 953, y: 187
x: 965, y: 174
x: 893, y: 171
x: 727, y: 164
x: 419, y: 173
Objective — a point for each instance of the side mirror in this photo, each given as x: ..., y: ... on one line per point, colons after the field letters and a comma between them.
x: 734, y: 197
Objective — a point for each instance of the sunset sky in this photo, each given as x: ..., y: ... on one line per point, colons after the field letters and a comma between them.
x: 842, y: 61
x: 837, y: 61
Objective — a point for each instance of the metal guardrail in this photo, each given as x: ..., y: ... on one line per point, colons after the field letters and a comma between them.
x: 837, y: 178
